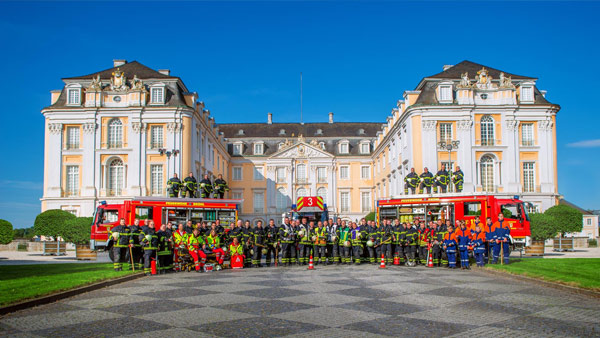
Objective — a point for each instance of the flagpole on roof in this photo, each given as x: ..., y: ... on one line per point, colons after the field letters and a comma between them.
x: 301, y: 122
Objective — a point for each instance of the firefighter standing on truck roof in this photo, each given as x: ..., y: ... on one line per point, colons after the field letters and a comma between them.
x: 458, y: 177
x: 120, y: 236
x: 220, y: 187
x: 205, y: 187
x: 189, y: 186
x: 149, y: 242
x: 426, y: 179
x: 173, y: 186
x: 441, y: 180
x: 411, y: 181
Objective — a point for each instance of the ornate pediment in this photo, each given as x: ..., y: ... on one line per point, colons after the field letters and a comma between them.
x: 301, y: 150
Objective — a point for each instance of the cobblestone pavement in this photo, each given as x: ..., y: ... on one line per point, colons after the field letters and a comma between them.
x: 356, y: 301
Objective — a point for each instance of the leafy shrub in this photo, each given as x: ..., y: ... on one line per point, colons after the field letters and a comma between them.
x: 6, y: 232
x: 78, y: 230
x: 568, y: 219
x: 542, y: 227
x: 51, y: 222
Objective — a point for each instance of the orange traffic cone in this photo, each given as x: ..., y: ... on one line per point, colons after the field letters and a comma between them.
x: 429, y: 261
x: 396, y: 260
x: 311, y: 266
x: 382, y: 266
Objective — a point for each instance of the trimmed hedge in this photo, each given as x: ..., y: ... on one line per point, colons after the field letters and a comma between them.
x: 51, y: 222
x: 568, y: 219
x: 78, y: 230
x: 6, y: 232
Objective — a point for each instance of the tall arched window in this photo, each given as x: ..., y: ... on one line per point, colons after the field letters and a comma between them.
x: 487, y: 130
x: 487, y: 173
x: 281, y: 200
x: 322, y: 192
x: 301, y: 173
x: 115, y: 133
x: 115, y: 177
x: 301, y: 192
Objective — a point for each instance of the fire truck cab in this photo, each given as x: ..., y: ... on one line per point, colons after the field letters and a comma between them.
x: 161, y: 210
x: 310, y: 207
x: 459, y: 206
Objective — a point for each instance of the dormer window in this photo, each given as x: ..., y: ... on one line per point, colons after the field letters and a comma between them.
x: 527, y: 93
x: 282, y: 132
x: 365, y: 148
x: 445, y: 92
x: 361, y: 131
x: 322, y: 145
x: 157, y: 94
x: 319, y: 132
x: 344, y: 147
x: 259, y: 148
x: 237, y: 148
x: 74, y: 95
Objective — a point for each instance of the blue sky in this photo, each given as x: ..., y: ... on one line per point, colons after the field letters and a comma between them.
x: 244, y: 60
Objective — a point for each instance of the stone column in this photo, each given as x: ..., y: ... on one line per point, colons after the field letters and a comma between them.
x: 88, y: 185
x: 429, y: 145
x: 54, y: 165
x: 465, y: 154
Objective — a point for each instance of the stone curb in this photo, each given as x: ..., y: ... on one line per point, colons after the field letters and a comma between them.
x: 556, y: 285
x: 66, y: 294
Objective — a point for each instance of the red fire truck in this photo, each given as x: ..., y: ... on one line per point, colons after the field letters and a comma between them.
x: 160, y: 210
x: 459, y: 206
x: 311, y: 207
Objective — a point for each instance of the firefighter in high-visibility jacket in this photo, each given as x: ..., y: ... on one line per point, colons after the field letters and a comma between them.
x: 423, y: 239
x: 247, y: 237
x: 196, y: 246
x: 333, y: 249
x: 180, y: 238
x: 189, y: 186
x: 458, y: 177
x: 173, y: 186
x: 345, y: 243
x: 373, y: 242
x: 412, y: 237
x: 287, y: 239
x: 450, y: 247
x: 463, y: 238
x: 441, y: 180
x: 236, y: 250
x: 220, y: 186
x: 136, y: 249
x: 439, y: 257
x: 501, y: 236
x: 400, y: 241
x: 149, y: 242
x: 478, y: 244
x: 258, y: 239
x: 213, y: 242
x: 357, y: 248
x: 411, y: 181
x: 386, y: 236
x: 426, y: 180
x: 119, y: 236
x: 206, y: 187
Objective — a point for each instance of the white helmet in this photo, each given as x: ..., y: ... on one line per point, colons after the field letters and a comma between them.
x: 369, y: 243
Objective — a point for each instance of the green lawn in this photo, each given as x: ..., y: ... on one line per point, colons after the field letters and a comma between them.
x: 20, y: 282
x: 581, y: 272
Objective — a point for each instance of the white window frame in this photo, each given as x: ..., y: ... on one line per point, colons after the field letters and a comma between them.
x: 488, y: 186
x: 74, y: 100
x: 258, y: 202
x: 301, y: 178
x: 258, y: 173
x: 259, y: 148
x: 529, y: 176
x: 347, y: 170
x: 159, y: 90
x: 527, y: 93
x: 445, y: 93
x: 281, y: 200
x: 527, y: 134
x: 73, y: 137
x: 157, y: 137
x: 72, y: 180
x: 321, y: 194
x: 234, y: 176
x: 344, y: 147
x: 280, y: 178
x: 487, y: 124
x: 364, y: 145
x: 114, y: 131
x: 362, y: 172
x: 321, y: 174
x: 345, y: 205
x: 238, y: 149
x: 116, y: 177
x: 444, y: 130
x: 301, y: 192
x: 156, y: 179
x: 365, y: 207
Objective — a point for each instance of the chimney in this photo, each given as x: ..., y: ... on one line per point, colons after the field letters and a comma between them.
x: 446, y: 67
x: 165, y: 72
x: 269, y: 118
x: 119, y: 62
x: 330, y: 117
x: 543, y: 93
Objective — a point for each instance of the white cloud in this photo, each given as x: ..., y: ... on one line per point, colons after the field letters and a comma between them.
x: 585, y: 144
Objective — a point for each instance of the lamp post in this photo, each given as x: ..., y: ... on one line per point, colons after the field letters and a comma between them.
x: 449, y: 146
x: 169, y: 153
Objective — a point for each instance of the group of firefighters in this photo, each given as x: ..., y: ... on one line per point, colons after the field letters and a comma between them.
x: 193, y: 189
x: 426, y: 181
x: 342, y: 242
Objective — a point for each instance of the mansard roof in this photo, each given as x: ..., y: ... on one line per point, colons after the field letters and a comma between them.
x: 308, y: 130
x: 130, y: 69
x: 472, y: 68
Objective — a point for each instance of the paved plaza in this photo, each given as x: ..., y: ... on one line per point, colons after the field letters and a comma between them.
x: 345, y: 301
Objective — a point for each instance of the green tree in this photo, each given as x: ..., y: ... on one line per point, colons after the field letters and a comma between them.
x: 51, y: 222
x: 78, y: 230
x: 26, y: 233
x: 568, y: 219
x: 6, y: 232
x: 370, y: 216
x: 542, y: 227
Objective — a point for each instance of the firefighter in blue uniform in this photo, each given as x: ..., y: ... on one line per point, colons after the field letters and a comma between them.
x: 149, y: 242
x: 120, y: 236
x: 463, y: 237
x: 189, y: 186
x: 501, y: 237
x: 458, y: 177
x: 206, y: 187
x: 411, y: 181
x: 173, y: 186
x: 450, y: 247
x: 478, y: 244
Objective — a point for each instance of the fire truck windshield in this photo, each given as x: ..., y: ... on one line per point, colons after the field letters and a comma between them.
x: 512, y: 210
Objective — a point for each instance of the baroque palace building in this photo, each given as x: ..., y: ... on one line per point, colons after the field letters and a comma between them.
x: 108, y: 135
